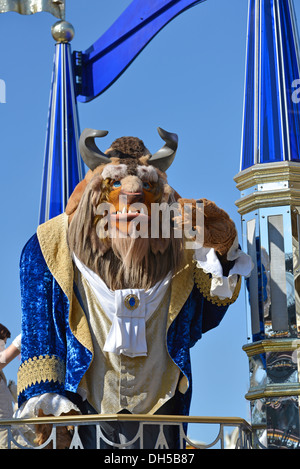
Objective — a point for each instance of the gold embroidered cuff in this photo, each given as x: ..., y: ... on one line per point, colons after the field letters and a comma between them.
x: 38, y: 369
x: 203, y: 282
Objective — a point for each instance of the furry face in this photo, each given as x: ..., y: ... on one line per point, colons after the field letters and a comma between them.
x: 103, y: 240
x: 132, y: 190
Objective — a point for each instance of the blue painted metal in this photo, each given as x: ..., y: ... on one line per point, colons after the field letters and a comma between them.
x: 63, y: 166
x: 271, y: 128
x: 108, y: 58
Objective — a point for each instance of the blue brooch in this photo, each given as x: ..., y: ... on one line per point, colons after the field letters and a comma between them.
x: 131, y: 302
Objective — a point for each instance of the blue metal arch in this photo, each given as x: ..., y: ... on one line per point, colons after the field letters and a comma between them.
x: 102, y: 64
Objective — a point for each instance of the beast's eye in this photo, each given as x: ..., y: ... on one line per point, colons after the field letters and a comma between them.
x: 116, y: 184
x: 146, y: 185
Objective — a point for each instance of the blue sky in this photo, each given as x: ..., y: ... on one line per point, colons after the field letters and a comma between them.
x: 188, y: 80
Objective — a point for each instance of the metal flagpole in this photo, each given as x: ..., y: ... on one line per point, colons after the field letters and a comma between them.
x: 63, y: 166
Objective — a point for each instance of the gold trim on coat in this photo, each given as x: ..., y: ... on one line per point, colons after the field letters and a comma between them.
x: 40, y: 369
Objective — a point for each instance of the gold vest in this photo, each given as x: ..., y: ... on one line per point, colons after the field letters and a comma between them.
x: 116, y: 382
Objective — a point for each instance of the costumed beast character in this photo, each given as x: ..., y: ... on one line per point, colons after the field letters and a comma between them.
x: 108, y: 321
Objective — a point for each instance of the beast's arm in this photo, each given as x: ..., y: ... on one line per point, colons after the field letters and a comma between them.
x: 218, y: 257
x: 213, y: 225
x: 43, y: 344
x: 219, y: 264
x: 41, y: 375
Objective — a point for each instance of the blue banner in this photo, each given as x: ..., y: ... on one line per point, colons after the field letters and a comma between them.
x: 101, y: 65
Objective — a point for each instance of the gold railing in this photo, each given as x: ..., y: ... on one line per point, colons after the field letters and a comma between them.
x: 17, y: 431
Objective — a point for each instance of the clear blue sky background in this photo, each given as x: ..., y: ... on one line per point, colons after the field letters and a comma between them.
x: 189, y: 80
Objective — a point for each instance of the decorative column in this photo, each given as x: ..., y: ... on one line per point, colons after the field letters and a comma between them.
x: 63, y: 166
x: 269, y: 181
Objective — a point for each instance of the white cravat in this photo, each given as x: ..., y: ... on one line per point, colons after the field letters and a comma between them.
x: 128, y: 311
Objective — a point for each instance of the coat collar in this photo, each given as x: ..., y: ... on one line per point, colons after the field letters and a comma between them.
x: 52, y: 237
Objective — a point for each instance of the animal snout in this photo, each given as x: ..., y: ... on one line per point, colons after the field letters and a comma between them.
x: 132, y: 189
x: 133, y: 197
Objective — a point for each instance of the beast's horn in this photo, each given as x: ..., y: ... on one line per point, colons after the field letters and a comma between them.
x: 164, y: 157
x: 89, y: 151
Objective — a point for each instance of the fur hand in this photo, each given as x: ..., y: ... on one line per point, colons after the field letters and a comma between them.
x: 63, y: 434
x: 218, y: 231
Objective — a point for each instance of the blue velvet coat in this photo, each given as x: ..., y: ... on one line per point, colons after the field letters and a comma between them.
x: 56, y: 346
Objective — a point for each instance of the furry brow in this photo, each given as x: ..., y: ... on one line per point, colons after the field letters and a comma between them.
x: 147, y: 173
x: 112, y: 171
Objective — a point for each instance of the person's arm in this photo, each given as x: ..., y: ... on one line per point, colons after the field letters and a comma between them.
x: 8, y: 355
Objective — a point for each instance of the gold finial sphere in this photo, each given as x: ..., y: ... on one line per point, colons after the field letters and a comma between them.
x: 62, y: 31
